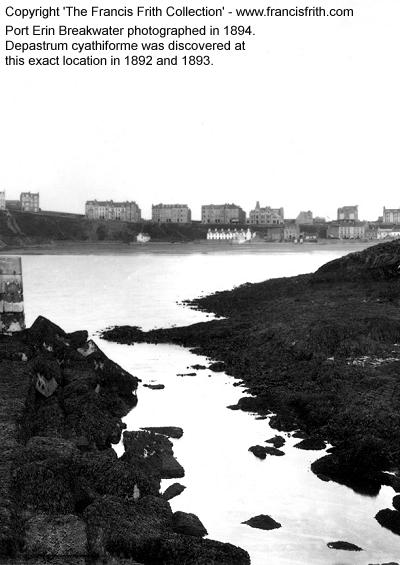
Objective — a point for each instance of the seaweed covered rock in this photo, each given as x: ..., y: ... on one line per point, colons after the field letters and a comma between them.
x: 169, y: 431
x: 258, y: 451
x: 55, y: 536
x: 173, y: 490
x: 153, y: 454
x: 389, y: 519
x: 277, y: 441
x: 311, y: 444
x: 116, y: 527
x: 357, y: 466
x: 188, y: 524
x: 217, y: 366
x: 396, y: 502
x: 192, y: 550
x: 263, y: 522
x: 344, y: 545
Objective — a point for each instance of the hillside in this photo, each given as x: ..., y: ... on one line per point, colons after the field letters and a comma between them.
x: 19, y: 229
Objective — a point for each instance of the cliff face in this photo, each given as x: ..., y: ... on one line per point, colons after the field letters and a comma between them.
x: 65, y: 497
x: 320, y: 350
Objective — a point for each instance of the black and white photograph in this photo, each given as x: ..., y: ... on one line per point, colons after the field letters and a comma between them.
x: 199, y: 282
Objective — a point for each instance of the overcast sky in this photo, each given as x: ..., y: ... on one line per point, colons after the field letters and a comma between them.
x: 307, y: 119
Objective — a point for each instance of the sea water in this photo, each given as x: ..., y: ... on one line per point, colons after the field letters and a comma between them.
x: 225, y: 483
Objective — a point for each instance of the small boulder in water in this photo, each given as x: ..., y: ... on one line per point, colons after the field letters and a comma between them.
x: 277, y: 441
x: 173, y: 490
x: 345, y: 545
x: 259, y: 451
x: 263, y: 522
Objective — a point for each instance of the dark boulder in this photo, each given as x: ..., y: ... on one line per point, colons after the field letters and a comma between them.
x: 341, y: 471
x: 274, y: 451
x: 169, y: 431
x: 259, y: 451
x: 217, y: 366
x: 198, y: 367
x: 188, y: 524
x: 277, y: 441
x: 300, y: 435
x: 78, y: 338
x: 177, y: 549
x: 396, y: 502
x: 389, y: 519
x: 173, y: 490
x: 345, y: 545
x: 263, y: 522
x: 312, y: 444
x: 151, y: 453
x: 155, y: 386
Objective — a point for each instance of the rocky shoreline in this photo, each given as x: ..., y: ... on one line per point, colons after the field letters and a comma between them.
x: 66, y: 498
x: 320, y: 351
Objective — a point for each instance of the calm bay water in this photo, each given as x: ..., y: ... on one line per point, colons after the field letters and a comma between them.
x: 225, y: 483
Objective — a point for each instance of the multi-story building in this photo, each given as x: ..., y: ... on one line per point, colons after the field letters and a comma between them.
x: 29, y: 201
x: 110, y: 210
x: 222, y: 214
x: 305, y: 217
x: 391, y: 215
x: 265, y: 216
x: 171, y: 214
x: 291, y: 231
x: 348, y: 213
x: 2, y: 200
x: 347, y: 230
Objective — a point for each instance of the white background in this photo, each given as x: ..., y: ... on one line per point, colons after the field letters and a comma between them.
x: 308, y: 118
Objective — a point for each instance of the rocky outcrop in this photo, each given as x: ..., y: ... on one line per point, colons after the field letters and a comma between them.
x: 152, y: 453
x: 169, y: 431
x: 188, y: 524
x: 65, y: 496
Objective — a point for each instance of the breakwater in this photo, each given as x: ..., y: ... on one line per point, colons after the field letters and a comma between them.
x: 66, y: 496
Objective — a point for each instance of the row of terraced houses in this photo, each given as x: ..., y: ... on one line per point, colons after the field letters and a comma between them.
x: 272, y: 220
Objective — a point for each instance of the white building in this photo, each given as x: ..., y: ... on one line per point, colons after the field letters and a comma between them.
x: 388, y: 233
x: 230, y: 235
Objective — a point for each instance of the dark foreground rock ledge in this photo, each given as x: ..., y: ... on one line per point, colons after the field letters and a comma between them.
x: 65, y: 497
x: 321, y: 351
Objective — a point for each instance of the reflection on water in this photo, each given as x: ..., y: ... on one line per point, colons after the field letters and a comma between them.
x: 225, y: 483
